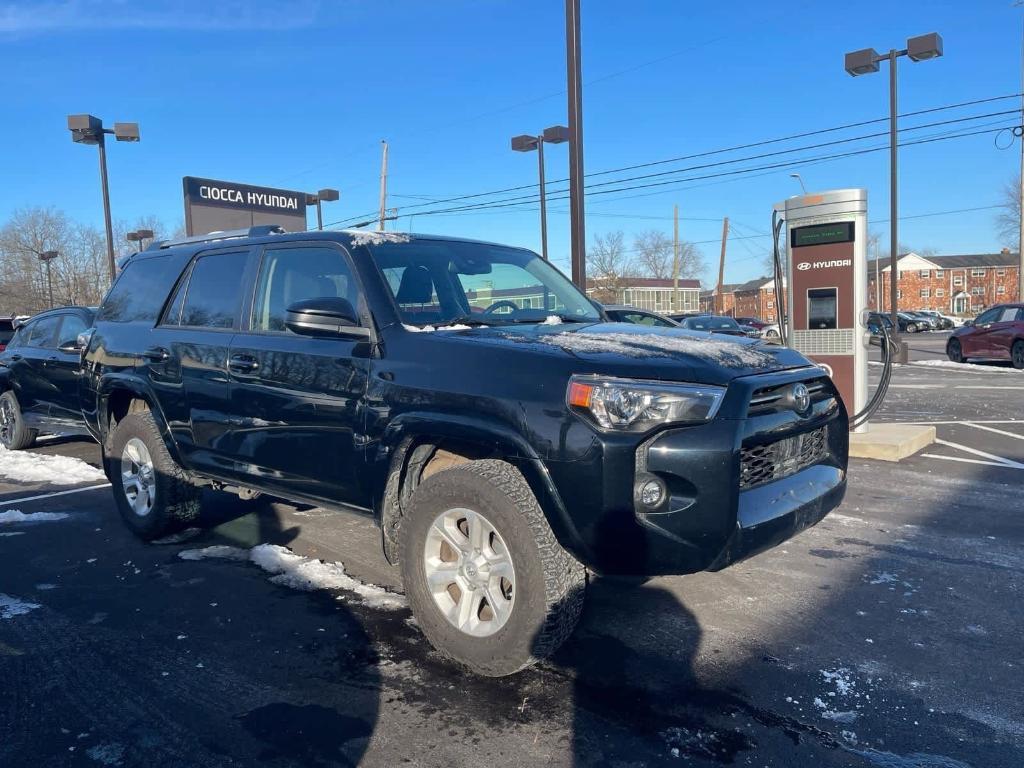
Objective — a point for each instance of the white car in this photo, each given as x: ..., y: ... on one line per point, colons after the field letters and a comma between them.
x: 771, y: 332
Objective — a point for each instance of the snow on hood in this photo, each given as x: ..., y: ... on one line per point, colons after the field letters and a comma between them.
x: 29, y: 467
x: 12, y: 606
x: 370, y: 237
x: 731, y: 354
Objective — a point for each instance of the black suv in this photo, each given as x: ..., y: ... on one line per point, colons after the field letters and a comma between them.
x: 467, y: 396
x: 39, y: 377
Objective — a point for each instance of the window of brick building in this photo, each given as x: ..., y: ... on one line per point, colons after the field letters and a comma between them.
x: 958, y: 279
x: 939, y: 272
x: 940, y: 292
x: 926, y: 293
x: 1001, y: 289
x: 977, y: 291
x: 923, y: 273
x: 977, y: 273
x: 1000, y: 273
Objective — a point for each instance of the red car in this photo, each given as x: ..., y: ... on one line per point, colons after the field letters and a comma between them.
x: 995, y: 334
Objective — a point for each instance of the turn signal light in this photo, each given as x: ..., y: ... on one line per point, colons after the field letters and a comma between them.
x: 579, y: 394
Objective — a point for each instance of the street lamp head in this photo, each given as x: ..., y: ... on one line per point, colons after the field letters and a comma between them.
x: 328, y: 195
x: 48, y: 255
x: 126, y: 131
x: 924, y: 47
x: 524, y: 143
x: 85, y: 129
x: 556, y: 134
x: 862, y: 62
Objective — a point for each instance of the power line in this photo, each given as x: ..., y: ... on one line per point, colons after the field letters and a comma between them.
x: 708, y: 153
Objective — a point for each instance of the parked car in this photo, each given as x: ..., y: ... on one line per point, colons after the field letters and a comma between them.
x: 996, y: 334
x: 680, y: 316
x: 753, y: 322
x: 621, y: 313
x: 415, y: 379
x: 771, y: 332
x: 924, y: 321
x: 910, y: 324
x: 943, y: 322
x: 876, y: 321
x: 39, y: 377
x: 719, y: 324
x: 7, y: 328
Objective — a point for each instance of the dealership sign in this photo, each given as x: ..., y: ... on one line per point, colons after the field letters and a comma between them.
x: 212, y: 205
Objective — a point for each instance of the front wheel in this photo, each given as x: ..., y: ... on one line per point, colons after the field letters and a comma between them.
x: 1017, y: 354
x: 151, y: 491
x: 486, y: 579
x: 954, y: 351
x: 14, y: 435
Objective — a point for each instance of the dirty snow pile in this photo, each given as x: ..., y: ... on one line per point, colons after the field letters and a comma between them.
x: 644, y: 345
x: 370, y: 237
x: 298, y: 572
x: 28, y: 467
x: 12, y: 606
x: 17, y: 516
x: 965, y: 367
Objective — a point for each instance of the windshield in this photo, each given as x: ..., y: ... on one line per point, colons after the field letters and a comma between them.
x: 712, y: 323
x: 436, y: 282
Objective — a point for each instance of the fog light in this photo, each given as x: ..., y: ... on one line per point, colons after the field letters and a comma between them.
x: 652, y: 493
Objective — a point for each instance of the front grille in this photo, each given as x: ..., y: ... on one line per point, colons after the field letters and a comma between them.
x: 773, y: 461
x: 776, y: 398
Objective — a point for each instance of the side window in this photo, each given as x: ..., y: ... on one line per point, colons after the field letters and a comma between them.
x: 214, y: 290
x: 172, y: 315
x: 42, y: 332
x: 987, y: 317
x: 140, y: 290
x: 71, y: 326
x: 288, y: 275
x: 1008, y: 315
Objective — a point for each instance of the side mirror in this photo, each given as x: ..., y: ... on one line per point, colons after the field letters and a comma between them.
x: 79, y: 345
x: 968, y: 323
x: 326, y: 316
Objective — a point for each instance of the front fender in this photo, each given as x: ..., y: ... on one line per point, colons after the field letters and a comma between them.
x: 494, y: 438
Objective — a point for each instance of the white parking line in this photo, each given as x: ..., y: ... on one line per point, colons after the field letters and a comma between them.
x: 983, y: 454
x: 965, y: 461
x: 993, y: 429
x: 975, y: 421
x: 55, y: 493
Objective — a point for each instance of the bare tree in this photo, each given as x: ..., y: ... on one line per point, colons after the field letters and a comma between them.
x: 1008, y: 218
x: 654, y: 256
x: 609, y: 264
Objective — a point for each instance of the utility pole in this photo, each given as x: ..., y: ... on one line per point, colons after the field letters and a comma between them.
x: 383, y: 186
x: 721, y: 265
x: 1020, y: 199
x: 578, y: 237
x: 675, y: 258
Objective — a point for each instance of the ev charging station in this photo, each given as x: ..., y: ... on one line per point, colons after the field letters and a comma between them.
x: 826, y: 286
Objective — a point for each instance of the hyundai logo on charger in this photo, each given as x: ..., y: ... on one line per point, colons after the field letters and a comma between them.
x: 803, y: 266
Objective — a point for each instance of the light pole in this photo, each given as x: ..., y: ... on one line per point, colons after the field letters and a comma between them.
x: 799, y: 178
x: 46, y: 257
x: 556, y: 134
x: 323, y: 196
x: 864, y: 62
x: 86, y: 129
x: 140, y: 237
x: 578, y: 239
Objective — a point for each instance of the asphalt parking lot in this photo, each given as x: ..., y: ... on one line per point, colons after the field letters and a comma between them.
x: 888, y: 635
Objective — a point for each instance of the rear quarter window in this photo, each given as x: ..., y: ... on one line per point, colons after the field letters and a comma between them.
x: 141, y: 289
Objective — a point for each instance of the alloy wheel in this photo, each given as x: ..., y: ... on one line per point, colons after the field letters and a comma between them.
x: 469, y: 572
x: 7, y: 422
x: 138, y: 478
x: 1018, y: 355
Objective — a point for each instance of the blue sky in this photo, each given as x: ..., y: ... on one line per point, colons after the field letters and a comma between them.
x: 299, y: 95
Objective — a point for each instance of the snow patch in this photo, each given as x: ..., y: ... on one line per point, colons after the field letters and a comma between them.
x: 17, y: 516
x: 432, y: 329
x: 552, y: 320
x: 12, y: 533
x: 12, y: 606
x: 28, y: 467
x: 297, y: 572
x: 735, y: 354
x: 964, y: 367
x: 371, y: 237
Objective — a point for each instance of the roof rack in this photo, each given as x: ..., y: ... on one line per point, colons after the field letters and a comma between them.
x: 261, y: 230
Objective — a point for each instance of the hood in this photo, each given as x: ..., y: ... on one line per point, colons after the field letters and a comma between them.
x: 636, y: 351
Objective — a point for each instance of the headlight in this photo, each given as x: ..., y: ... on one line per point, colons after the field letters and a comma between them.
x: 628, y: 405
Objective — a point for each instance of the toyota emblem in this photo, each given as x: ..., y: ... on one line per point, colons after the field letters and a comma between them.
x: 801, y: 399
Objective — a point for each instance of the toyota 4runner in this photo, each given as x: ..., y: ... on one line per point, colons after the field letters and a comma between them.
x: 501, y: 432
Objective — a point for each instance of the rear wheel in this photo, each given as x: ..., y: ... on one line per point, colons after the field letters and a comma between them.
x: 150, y: 489
x: 14, y: 435
x: 954, y: 351
x: 1017, y: 354
x: 488, y: 583
x: 912, y: 328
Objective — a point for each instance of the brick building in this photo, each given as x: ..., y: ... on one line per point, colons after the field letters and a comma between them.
x: 754, y: 298
x: 653, y: 293
x: 960, y: 285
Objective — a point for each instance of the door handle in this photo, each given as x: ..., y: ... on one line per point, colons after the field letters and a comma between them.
x: 156, y: 355
x: 15, y: 358
x: 243, y: 363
